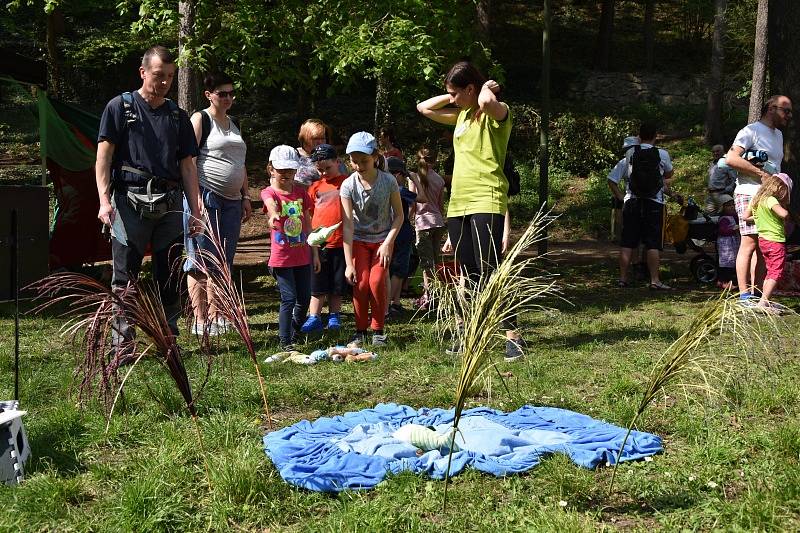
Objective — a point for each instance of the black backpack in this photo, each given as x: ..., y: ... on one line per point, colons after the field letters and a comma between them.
x: 207, y: 127
x: 131, y: 116
x: 645, y: 179
x: 513, y: 177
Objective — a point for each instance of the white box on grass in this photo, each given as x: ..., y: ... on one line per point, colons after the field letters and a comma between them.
x: 14, y: 450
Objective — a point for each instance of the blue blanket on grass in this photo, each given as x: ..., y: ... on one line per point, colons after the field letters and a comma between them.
x: 357, y: 450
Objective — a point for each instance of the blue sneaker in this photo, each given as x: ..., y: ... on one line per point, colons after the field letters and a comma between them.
x: 745, y: 296
x: 333, y: 322
x: 313, y: 323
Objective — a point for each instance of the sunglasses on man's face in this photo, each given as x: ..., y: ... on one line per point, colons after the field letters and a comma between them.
x: 225, y: 94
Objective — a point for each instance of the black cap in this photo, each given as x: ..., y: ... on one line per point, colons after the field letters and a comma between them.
x: 322, y: 152
x: 395, y: 164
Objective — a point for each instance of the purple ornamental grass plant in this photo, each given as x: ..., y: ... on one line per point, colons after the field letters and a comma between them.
x: 228, y: 300
x: 93, y: 308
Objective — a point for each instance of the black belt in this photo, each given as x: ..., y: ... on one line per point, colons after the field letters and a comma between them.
x: 145, y: 177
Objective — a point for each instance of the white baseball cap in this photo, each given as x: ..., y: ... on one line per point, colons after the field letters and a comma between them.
x: 630, y: 141
x: 284, y: 157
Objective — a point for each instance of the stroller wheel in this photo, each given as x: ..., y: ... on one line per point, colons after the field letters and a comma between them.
x: 704, y: 269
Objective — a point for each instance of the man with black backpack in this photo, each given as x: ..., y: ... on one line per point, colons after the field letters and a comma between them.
x: 145, y: 165
x: 649, y: 171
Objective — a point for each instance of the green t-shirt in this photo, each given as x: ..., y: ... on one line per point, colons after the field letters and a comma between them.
x: 769, y: 224
x: 479, y: 184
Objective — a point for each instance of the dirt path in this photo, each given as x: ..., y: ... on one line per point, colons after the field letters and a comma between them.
x: 254, y: 248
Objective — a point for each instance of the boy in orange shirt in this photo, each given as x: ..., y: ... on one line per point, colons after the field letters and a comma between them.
x: 329, y: 282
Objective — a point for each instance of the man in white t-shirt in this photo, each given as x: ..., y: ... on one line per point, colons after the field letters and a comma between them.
x: 762, y: 135
x: 642, y: 217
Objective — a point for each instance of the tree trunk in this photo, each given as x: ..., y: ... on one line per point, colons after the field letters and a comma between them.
x: 649, y: 34
x: 758, y: 87
x: 382, y: 111
x: 187, y: 74
x: 715, y: 76
x: 484, y: 10
x: 784, y: 75
x: 55, y: 27
x: 602, y: 57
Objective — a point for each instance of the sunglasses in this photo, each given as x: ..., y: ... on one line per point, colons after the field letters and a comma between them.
x: 225, y: 94
x: 786, y: 110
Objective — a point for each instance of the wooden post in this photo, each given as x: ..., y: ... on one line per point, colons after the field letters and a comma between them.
x: 544, y: 128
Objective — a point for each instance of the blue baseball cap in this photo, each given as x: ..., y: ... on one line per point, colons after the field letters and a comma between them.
x: 363, y: 142
x: 322, y: 152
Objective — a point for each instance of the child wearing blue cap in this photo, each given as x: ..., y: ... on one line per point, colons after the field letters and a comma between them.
x: 372, y: 214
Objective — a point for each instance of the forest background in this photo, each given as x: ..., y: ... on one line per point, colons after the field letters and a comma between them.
x: 362, y: 69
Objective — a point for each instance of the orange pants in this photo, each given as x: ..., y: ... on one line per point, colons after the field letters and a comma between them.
x: 369, y: 292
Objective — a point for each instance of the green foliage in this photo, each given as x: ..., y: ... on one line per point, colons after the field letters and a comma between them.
x: 318, y: 48
x: 583, y: 143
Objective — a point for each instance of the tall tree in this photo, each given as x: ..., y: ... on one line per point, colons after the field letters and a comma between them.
x: 602, y: 56
x: 187, y: 73
x: 483, y: 10
x: 55, y: 27
x: 649, y: 32
x: 715, y: 75
x: 544, y: 128
x: 759, y: 80
x: 784, y: 73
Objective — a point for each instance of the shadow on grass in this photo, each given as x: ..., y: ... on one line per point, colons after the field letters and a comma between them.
x: 610, y: 336
x: 56, y: 442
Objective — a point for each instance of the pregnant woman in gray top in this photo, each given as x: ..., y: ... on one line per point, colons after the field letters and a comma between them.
x: 224, y: 193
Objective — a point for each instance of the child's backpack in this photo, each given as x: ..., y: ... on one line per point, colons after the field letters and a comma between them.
x: 513, y: 177
x: 645, y: 178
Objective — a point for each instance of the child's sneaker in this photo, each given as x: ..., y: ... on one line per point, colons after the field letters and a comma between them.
x: 358, y: 340
x: 380, y: 340
x: 514, y: 350
x: 334, y: 324
x: 223, y: 325
x: 313, y: 323
x: 201, y: 329
x: 288, y: 346
x: 455, y: 348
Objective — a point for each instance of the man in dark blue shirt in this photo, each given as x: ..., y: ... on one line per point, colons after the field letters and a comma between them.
x: 145, y: 152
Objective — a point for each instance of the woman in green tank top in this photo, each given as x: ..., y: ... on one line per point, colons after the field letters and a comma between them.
x: 479, y: 190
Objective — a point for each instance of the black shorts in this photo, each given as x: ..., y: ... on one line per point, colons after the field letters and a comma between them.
x: 330, y: 278
x: 401, y: 259
x: 642, y: 222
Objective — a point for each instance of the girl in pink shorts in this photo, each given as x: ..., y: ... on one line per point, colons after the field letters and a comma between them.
x: 769, y: 209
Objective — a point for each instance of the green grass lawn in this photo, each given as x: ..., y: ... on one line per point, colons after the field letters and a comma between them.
x: 730, y: 462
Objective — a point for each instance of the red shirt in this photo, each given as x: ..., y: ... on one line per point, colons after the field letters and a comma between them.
x: 288, y: 247
x: 327, y: 206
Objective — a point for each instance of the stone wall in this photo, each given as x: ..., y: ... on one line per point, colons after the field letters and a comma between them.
x: 624, y: 88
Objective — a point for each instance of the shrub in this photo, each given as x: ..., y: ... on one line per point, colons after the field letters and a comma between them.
x: 579, y: 142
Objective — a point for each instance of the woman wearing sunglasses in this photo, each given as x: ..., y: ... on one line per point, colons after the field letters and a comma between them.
x: 224, y: 193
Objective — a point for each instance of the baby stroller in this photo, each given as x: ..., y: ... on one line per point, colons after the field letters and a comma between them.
x: 696, y: 230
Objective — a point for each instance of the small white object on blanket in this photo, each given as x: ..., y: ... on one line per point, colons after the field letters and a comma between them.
x: 425, y: 438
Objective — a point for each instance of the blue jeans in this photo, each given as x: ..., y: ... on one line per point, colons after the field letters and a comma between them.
x: 226, y: 222
x: 294, y: 284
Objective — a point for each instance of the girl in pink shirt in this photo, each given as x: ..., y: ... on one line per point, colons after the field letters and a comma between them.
x: 290, y: 257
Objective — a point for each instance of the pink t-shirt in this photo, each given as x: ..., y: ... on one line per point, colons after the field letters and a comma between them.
x: 429, y: 214
x: 288, y: 247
